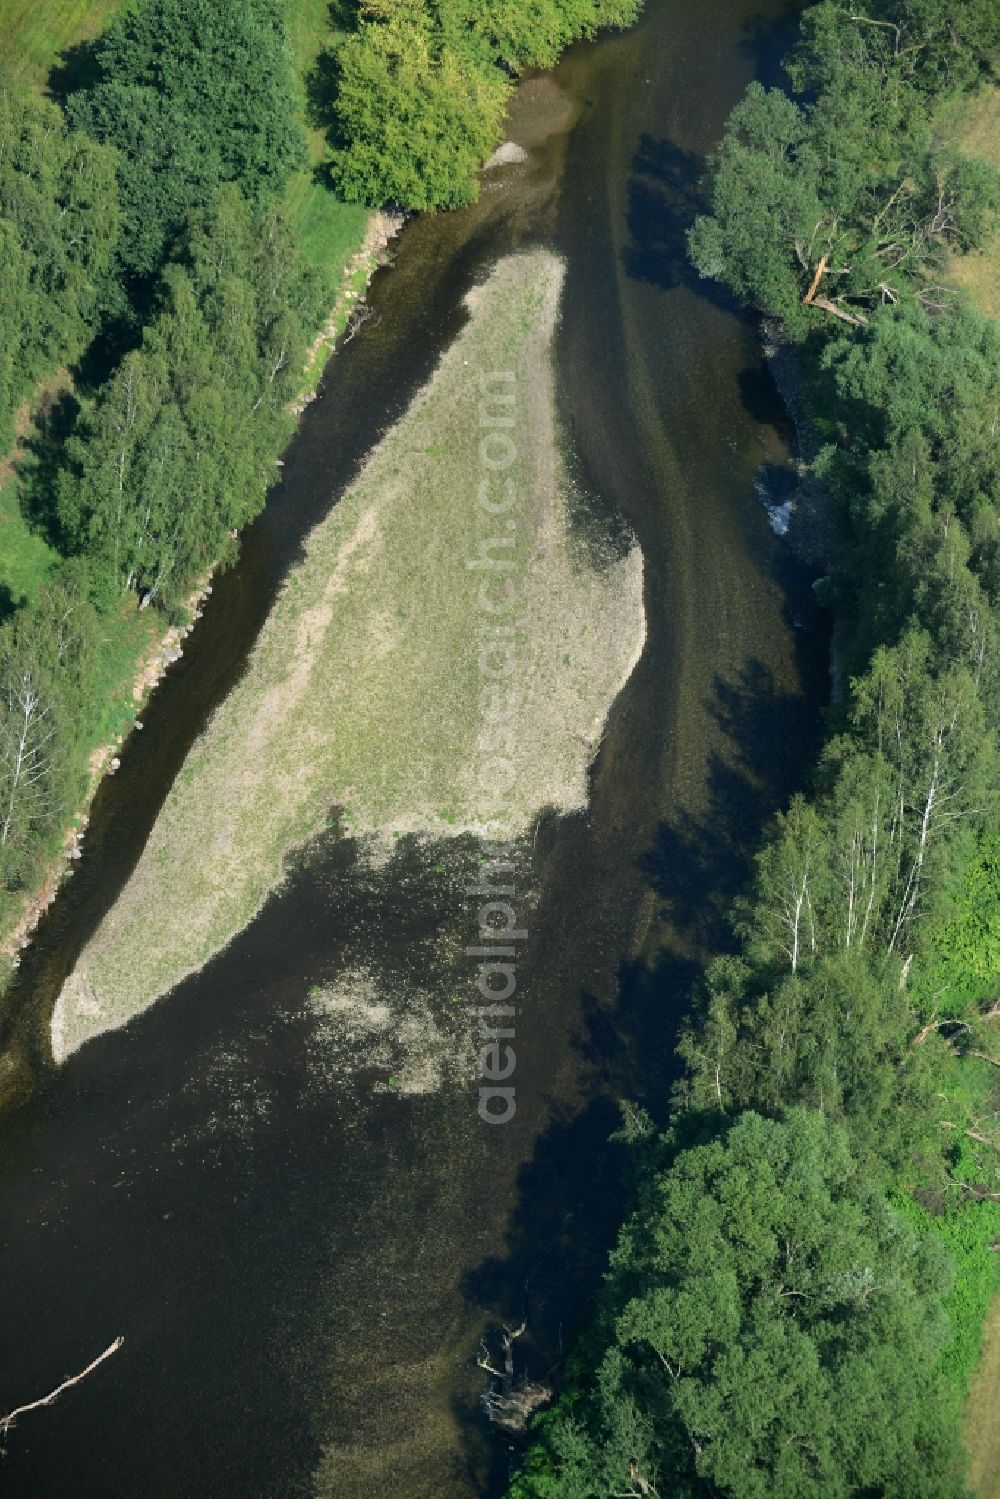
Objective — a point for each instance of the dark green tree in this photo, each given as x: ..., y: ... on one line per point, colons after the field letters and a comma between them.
x: 58, y: 226
x: 834, y: 208
x: 194, y: 93
x: 772, y: 1331
x: 178, y: 448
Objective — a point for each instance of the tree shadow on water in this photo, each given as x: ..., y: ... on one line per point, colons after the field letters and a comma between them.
x: 767, y: 39
x: 574, y: 1190
x: 571, y: 1197
x: 574, y: 1193
x: 700, y: 861
x: 664, y: 198
x: 762, y: 401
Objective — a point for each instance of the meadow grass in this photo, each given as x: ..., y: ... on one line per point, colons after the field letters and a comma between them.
x: 35, y: 33
x: 26, y: 559
x: 982, y: 1430
x: 329, y: 232
x: 364, y: 691
x: 976, y: 127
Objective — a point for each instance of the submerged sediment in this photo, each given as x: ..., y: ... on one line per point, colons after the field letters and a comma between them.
x: 442, y: 661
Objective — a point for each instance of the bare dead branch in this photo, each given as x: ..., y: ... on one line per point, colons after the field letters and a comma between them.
x: 810, y: 295
x: 6, y: 1422
x: 856, y: 319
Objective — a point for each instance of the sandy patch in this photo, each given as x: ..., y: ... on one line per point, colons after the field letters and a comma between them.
x: 366, y: 689
x: 507, y: 155
x: 361, y: 1027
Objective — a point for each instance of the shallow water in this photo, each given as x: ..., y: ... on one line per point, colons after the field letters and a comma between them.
x: 290, y: 1209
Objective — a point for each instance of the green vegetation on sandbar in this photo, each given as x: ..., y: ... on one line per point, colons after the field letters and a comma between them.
x: 442, y: 660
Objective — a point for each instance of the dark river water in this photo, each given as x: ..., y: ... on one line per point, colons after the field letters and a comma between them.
x: 302, y: 1260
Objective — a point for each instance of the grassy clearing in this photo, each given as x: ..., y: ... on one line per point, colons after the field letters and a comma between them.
x: 367, y: 690
x: 34, y: 33
x: 982, y: 1429
x: 309, y: 31
x: 976, y: 125
x: 329, y: 232
x: 26, y: 559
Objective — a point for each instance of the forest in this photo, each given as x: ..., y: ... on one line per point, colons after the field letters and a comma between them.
x: 795, y: 1302
x: 147, y: 248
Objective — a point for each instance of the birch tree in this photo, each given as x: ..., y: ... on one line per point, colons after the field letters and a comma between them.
x: 29, y: 753
x: 782, y: 923
x: 928, y: 729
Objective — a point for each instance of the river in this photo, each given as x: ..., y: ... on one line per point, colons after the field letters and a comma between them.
x: 302, y: 1260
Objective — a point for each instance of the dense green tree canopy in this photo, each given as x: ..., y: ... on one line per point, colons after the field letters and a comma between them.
x: 836, y: 205
x: 416, y: 116
x: 58, y: 226
x: 194, y: 93
x: 179, y: 445
x: 773, y: 1330
x: 533, y: 36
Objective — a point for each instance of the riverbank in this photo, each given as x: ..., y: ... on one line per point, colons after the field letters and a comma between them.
x: 164, y: 649
x: 347, y: 243
x: 365, y: 690
x: 165, y: 646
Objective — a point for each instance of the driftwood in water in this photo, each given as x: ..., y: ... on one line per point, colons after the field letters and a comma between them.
x: 512, y: 1406
x: 6, y: 1422
x: 360, y: 314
